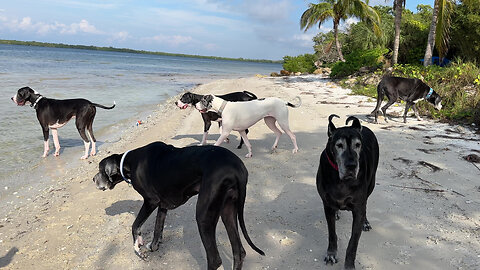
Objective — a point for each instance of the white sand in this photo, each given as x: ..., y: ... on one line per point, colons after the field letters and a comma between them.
x: 72, y: 225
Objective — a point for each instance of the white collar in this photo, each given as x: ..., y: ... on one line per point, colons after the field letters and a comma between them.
x: 121, y: 167
x: 34, y: 105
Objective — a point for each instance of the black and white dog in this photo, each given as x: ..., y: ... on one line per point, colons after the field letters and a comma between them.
x: 55, y: 113
x: 409, y: 90
x: 190, y: 99
x: 166, y: 177
x: 345, y: 179
x: 241, y: 115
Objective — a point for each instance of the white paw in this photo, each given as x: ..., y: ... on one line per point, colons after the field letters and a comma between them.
x: 249, y: 155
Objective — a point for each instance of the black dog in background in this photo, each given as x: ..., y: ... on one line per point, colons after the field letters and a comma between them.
x: 190, y: 99
x: 166, y: 177
x: 345, y: 179
x: 409, y: 90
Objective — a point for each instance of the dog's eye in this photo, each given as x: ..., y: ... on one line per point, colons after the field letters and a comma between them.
x: 339, y: 145
x: 357, y: 145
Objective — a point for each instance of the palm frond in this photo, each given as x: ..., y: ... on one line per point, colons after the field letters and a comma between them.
x: 316, y: 13
x: 442, y: 36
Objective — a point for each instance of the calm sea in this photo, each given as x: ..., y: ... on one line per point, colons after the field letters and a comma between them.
x: 136, y: 82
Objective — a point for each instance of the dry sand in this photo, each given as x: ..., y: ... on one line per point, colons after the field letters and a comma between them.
x: 424, y: 210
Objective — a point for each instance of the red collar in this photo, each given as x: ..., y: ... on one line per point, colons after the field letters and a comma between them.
x: 335, y: 166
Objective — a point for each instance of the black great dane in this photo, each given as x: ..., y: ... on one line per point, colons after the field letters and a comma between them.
x: 166, y: 177
x: 345, y: 179
x: 190, y: 99
x: 55, y: 113
x: 409, y: 90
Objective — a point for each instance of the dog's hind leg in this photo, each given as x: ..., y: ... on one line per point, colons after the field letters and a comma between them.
x: 243, y: 134
x: 229, y: 217
x: 385, y: 107
x: 56, y: 142
x: 241, y: 140
x: 93, y: 152
x: 270, y: 122
x: 207, y: 215
x: 380, y: 95
x: 286, y: 128
x: 158, y: 231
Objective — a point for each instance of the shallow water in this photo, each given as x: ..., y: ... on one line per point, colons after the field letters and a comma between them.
x: 136, y: 82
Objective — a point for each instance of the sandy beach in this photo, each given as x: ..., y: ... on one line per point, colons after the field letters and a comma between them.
x: 424, y: 210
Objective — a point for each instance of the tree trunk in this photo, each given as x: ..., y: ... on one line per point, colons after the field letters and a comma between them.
x: 427, y: 59
x: 398, y: 19
x: 337, y: 42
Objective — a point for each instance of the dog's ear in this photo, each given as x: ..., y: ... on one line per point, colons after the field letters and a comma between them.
x: 355, y: 123
x: 111, y: 167
x: 331, y: 126
x: 208, y: 98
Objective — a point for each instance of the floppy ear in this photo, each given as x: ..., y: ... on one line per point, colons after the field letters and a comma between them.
x: 355, y: 124
x: 111, y: 167
x: 331, y: 126
x: 208, y: 98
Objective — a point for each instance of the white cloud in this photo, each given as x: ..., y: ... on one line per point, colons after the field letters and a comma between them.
x: 174, y: 41
x: 26, y: 24
x: 267, y: 11
x: 121, y: 36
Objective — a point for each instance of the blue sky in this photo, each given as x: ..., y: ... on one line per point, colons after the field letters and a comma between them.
x: 259, y: 29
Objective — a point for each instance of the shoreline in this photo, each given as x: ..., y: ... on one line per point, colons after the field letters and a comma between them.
x: 70, y: 224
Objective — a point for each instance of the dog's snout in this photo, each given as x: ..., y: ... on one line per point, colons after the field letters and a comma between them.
x: 176, y: 103
x: 351, y: 164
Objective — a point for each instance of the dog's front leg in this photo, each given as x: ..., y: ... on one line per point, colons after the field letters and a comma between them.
x: 56, y: 142
x: 416, y: 112
x: 158, y: 232
x: 330, y: 214
x: 243, y: 134
x: 223, y: 135
x: 46, y: 147
x: 142, y: 216
x: 206, y: 126
x: 407, y: 107
x: 357, y: 225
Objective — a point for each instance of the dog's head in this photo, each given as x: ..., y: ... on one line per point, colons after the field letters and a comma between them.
x: 436, y: 100
x: 345, y: 144
x: 205, y: 103
x: 187, y: 99
x: 108, y: 172
x: 25, y: 94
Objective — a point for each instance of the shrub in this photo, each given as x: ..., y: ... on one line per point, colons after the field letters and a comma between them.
x: 302, y: 63
x: 356, y: 60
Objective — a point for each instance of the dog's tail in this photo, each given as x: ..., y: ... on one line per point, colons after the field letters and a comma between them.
x: 242, y: 193
x: 104, y: 107
x: 380, y: 94
x: 252, y: 95
x: 299, y: 103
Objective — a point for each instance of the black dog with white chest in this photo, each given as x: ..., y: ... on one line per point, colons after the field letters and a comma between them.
x: 166, y: 177
x: 190, y: 99
x: 345, y: 179
x: 409, y: 90
x: 55, y: 113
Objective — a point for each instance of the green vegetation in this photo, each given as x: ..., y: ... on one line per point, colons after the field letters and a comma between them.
x: 368, y: 55
x: 370, y: 59
x: 302, y: 63
x: 112, y: 49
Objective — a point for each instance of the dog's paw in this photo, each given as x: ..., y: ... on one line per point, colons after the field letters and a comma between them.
x: 366, y: 226
x: 84, y: 157
x: 153, y: 247
x: 294, y: 151
x: 141, y: 253
x: 249, y: 155
x: 337, y: 215
x: 330, y: 259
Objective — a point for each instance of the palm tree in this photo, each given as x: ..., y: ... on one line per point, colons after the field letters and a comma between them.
x: 439, y: 30
x: 398, y: 6
x: 339, y: 10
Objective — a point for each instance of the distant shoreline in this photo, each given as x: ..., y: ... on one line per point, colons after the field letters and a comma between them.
x: 126, y: 50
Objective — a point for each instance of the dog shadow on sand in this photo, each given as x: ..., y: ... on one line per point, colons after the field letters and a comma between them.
x: 7, y: 258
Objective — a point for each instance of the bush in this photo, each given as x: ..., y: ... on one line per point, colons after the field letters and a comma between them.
x: 356, y: 60
x: 302, y: 63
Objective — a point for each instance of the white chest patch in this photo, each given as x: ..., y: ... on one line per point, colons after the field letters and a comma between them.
x: 59, y: 125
